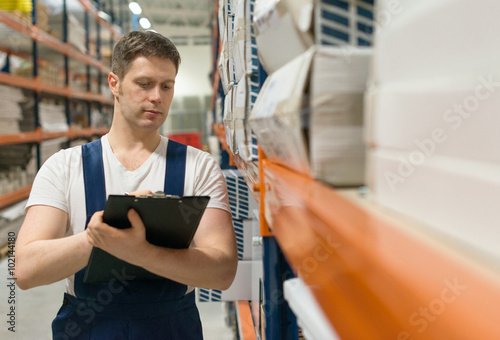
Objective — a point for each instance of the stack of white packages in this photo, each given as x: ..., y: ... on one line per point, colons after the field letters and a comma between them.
x: 10, y: 110
x: 239, y: 67
x: 434, y: 146
x: 52, y: 117
x: 309, y: 114
x: 244, y: 213
x: 51, y: 146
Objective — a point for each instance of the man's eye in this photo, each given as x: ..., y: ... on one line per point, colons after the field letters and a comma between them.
x: 144, y: 85
x: 165, y: 87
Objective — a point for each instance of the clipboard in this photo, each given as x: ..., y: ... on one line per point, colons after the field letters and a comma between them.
x: 170, y: 222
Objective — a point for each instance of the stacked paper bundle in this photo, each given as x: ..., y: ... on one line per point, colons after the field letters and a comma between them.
x: 17, y: 166
x: 10, y: 110
x: 432, y: 113
x: 53, y: 117
x: 239, y: 67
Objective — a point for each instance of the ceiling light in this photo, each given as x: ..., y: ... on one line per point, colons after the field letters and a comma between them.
x: 145, y: 23
x: 135, y: 8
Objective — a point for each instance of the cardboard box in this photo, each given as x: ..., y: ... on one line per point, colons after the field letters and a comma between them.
x: 280, y: 31
x: 243, y: 287
x: 455, y: 117
x: 434, y: 39
x: 455, y: 199
x: 334, y: 151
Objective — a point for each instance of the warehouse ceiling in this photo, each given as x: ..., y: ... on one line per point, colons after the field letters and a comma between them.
x: 185, y: 22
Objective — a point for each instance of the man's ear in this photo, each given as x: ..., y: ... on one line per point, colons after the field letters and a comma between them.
x: 114, y: 83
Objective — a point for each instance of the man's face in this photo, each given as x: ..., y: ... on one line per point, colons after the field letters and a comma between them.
x: 145, y: 92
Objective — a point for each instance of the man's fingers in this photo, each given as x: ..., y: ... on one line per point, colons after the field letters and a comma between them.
x: 135, y: 219
x: 140, y: 193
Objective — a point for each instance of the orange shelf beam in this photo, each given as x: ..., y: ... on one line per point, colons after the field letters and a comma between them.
x: 26, y: 83
x: 23, y: 137
x: 39, y: 136
x: 50, y: 41
x: 372, y: 278
x: 35, y: 84
x: 14, y: 196
x: 247, y: 330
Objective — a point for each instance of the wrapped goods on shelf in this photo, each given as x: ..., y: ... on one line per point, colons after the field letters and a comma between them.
x: 226, y: 58
x: 433, y: 39
x: 50, y: 147
x: 100, y: 119
x: 309, y: 114
x: 42, y: 16
x: 432, y: 117
x: 229, y: 119
x: 347, y: 23
x: 28, y: 109
x: 241, y: 199
x: 53, y: 117
x: 17, y: 166
x: 246, y: 60
x: 283, y: 30
x: 454, y: 197
x: 251, y: 137
x: 225, y: 10
x: 78, y: 112
x: 47, y: 73
x: 237, y: 107
x: 455, y: 116
x: 76, y: 30
x: 219, y: 109
x: 10, y: 109
x: 244, y: 286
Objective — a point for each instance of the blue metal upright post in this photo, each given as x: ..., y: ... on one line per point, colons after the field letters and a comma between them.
x: 135, y: 21
x: 87, y: 49
x: 280, y: 320
x: 66, y: 65
x: 36, y: 95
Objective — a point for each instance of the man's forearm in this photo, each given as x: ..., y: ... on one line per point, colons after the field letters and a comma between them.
x: 43, y: 262
x: 199, y: 267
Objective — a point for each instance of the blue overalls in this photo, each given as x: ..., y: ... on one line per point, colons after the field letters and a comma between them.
x: 127, y: 308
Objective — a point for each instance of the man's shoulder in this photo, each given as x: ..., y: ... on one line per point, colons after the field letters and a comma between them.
x: 65, y: 156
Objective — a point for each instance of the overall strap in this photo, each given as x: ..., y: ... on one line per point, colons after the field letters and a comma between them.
x: 175, y: 168
x: 93, y: 178
x: 95, y: 199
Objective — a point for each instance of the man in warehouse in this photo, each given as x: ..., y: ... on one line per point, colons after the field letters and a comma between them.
x: 64, y: 213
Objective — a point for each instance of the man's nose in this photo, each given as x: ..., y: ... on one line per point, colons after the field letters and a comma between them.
x: 155, y: 94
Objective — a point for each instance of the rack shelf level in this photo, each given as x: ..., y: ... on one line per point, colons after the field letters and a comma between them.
x: 372, y: 277
x: 14, y: 196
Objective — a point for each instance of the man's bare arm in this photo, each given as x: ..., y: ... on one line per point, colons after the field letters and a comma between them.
x: 43, y: 254
x: 211, y: 263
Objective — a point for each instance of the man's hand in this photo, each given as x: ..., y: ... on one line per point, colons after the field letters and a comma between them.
x: 125, y: 244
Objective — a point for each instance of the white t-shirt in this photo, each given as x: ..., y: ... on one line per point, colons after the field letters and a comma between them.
x: 59, y: 182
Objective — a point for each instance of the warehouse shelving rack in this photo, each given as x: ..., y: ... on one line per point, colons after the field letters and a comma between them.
x: 375, y: 274
x: 30, y: 31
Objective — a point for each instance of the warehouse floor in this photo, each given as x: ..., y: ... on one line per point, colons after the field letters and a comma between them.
x: 35, y: 309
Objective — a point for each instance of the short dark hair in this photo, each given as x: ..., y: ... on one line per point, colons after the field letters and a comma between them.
x: 144, y: 43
